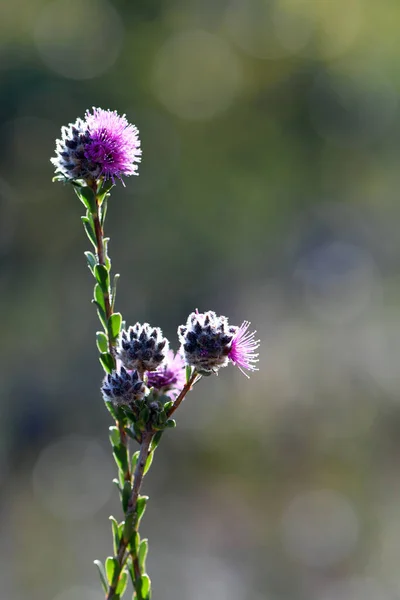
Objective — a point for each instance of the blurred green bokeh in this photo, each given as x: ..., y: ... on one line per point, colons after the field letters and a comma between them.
x: 268, y: 191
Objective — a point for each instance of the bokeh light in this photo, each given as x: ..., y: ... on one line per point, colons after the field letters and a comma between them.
x: 196, y: 75
x: 79, y: 39
x: 66, y: 478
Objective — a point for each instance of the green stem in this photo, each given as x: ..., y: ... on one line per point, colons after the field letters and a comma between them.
x: 130, y: 514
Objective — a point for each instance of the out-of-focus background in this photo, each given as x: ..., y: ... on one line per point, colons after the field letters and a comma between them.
x: 268, y: 191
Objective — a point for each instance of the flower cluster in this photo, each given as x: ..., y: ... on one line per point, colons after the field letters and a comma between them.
x: 208, y: 343
x: 102, y: 145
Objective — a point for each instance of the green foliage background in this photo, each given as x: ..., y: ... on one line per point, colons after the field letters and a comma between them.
x: 268, y: 191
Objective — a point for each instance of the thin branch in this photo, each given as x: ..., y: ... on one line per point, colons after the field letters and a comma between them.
x: 132, y: 507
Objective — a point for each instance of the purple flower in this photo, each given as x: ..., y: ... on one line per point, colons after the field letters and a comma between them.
x: 242, y: 352
x: 209, y: 342
x: 103, y: 145
x: 114, y: 143
x: 170, y: 377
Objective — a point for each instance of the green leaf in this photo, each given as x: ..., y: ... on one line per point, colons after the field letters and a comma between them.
x: 114, y: 325
x: 135, y: 458
x: 156, y: 441
x: 126, y: 494
x: 107, y: 362
x: 114, y: 290
x: 171, y: 423
x: 91, y: 260
x: 103, y: 210
x: 102, y: 276
x: 115, y: 437
x: 142, y: 554
x: 140, y: 507
x: 144, y: 414
x: 89, y: 230
x: 189, y: 370
x: 104, y: 188
x: 128, y: 528
x: 112, y: 568
x: 167, y: 406
x: 87, y: 197
x: 121, y: 457
x: 111, y: 409
x: 148, y: 462
x: 122, y: 583
x: 116, y: 536
x: 99, y: 297
x: 102, y: 574
x: 135, y: 542
x: 101, y: 314
x: 145, y: 587
x: 101, y: 341
x: 105, y: 247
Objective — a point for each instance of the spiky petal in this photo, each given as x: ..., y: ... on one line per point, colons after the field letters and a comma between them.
x: 114, y: 143
x: 243, y: 350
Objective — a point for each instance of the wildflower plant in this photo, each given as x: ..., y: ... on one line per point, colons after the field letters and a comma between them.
x: 145, y: 381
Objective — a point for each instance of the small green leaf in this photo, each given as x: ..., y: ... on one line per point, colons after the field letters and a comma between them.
x: 102, y: 276
x: 107, y: 362
x: 105, y: 247
x: 87, y: 197
x: 102, y: 574
x: 99, y: 297
x: 126, y: 495
x: 168, y: 406
x: 171, y: 423
x: 148, y: 462
x: 91, y: 260
x: 156, y: 441
x: 189, y: 370
x: 116, y: 536
x: 101, y: 341
x: 104, y: 188
x: 135, y: 542
x: 111, y: 409
x: 144, y: 414
x: 114, y: 290
x: 114, y: 325
x: 89, y: 230
x: 112, y: 567
x: 121, y: 457
x: 146, y: 587
x: 101, y: 314
x: 140, y: 507
x: 135, y: 458
x: 142, y: 554
x: 115, y: 437
x: 128, y: 528
x: 122, y: 583
x: 103, y: 210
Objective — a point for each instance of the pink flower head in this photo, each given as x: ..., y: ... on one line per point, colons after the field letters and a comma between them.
x: 242, y: 352
x: 113, y: 144
x: 170, y: 377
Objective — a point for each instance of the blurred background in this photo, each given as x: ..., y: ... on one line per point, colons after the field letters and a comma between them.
x: 268, y: 191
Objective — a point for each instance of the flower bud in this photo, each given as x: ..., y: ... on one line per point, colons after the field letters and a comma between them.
x: 142, y: 347
x: 123, y: 387
x: 206, y: 341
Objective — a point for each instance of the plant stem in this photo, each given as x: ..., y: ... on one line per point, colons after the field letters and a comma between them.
x: 102, y: 261
x: 131, y: 510
x: 186, y: 388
